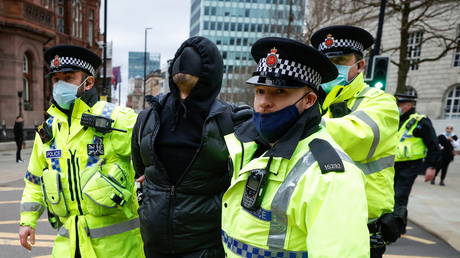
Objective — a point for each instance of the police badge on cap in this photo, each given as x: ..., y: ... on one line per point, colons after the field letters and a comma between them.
x: 341, y: 40
x: 67, y: 58
x: 287, y: 63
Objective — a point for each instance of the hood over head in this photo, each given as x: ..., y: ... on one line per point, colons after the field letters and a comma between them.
x: 200, y: 57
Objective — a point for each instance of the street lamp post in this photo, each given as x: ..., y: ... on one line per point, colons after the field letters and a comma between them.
x: 145, y: 65
x: 20, y: 102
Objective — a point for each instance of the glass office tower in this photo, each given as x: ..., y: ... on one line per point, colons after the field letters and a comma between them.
x: 234, y: 25
x: 136, y: 63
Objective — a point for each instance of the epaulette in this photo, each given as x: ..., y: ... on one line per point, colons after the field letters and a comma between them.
x: 327, y: 157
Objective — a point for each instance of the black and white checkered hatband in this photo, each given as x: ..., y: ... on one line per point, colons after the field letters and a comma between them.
x: 342, y: 43
x: 58, y: 62
x: 290, y: 70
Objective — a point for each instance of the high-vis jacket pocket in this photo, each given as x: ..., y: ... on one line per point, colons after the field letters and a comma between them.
x: 106, y: 191
x: 53, y: 194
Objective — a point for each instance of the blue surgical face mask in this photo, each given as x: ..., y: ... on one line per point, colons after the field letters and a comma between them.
x: 342, y: 78
x: 65, y: 93
x: 272, y: 126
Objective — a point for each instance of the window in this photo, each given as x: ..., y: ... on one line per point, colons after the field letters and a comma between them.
x: 411, y: 91
x: 246, y: 13
x: 48, y: 4
x: 91, y: 28
x: 452, y: 105
x: 414, y: 49
x: 457, y: 49
x: 219, y: 25
x: 206, y: 25
x: 26, y: 82
x: 77, y: 17
x: 60, y: 16
x: 206, y: 10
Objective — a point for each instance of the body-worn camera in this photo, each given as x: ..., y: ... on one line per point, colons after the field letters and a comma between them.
x: 100, y: 123
x: 255, y: 189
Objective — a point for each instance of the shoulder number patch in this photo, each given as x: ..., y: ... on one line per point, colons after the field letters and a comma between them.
x: 327, y: 157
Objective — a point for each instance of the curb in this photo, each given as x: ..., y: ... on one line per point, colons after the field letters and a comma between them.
x: 436, y: 234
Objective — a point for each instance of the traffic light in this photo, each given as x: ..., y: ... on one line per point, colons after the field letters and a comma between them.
x: 379, y: 72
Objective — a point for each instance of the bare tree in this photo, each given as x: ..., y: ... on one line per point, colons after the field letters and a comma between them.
x: 434, y: 20
x: 322, y: 13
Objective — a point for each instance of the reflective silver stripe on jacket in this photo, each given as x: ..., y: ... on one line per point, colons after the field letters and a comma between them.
x: 32, y: 206
x: 114, y: 229
x: 360, y: 98
x: 63, y: 232
x: 280, y: 202
x: 377, y: 165
x: 375, y: 129
x: 278, y: 225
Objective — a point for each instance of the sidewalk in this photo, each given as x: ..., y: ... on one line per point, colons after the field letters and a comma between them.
x: 9, y: 169
x: 436, y: 208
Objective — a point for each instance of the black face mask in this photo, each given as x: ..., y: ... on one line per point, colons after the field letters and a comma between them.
x: 189, y: 62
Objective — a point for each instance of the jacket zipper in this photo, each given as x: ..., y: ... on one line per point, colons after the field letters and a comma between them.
x: 76, y: 188
x: 242, y: 155
x: 79, y: 182
x: 69, y: 174
x: 172, y: 195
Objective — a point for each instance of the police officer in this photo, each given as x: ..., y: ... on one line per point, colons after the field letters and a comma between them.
x: 417, y: 147
x: 80, y: 169
x: 300, y: 195
x: 363, y: 121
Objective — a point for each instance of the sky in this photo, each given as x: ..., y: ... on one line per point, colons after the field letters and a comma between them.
x: 126, y: 23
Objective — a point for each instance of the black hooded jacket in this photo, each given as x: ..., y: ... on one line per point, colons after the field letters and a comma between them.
x: 178, y: 145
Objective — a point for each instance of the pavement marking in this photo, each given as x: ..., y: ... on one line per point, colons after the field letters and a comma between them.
x: 9, y: 202
x: 17, y: 221
x: 418, y: 239
x: 6, y: 188
x: 17, y: 243
x: 37, y: 236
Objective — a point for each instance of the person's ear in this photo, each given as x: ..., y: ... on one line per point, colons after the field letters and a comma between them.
x: 309, y: 100
x: 360, y: 65
x: 89, y: 83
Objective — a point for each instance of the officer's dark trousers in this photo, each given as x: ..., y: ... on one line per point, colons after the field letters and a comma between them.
x: 405, y: 175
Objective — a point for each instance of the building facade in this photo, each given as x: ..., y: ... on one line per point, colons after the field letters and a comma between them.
x: 136, y: 63
x: 234, y: 25
x: 27, y: 28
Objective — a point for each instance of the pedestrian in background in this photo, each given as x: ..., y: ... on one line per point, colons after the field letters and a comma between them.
x: 19, y: 137
x: 417, y: 149
x: 448, y: 142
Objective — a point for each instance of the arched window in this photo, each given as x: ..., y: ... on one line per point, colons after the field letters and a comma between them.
x: 77, y: 18
x: 27, y: 82
x: 452, y: 104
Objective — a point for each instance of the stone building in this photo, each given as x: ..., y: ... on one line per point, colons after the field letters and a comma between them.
x: 27, y: 28
x: 154, y: 84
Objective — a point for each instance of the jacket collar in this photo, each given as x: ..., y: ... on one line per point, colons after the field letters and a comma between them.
x: 343, y: 93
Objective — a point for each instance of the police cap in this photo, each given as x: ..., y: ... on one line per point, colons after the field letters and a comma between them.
x: 404, y: 97
x: 341, y: 40
x: 286, y: 63
x: 68, y: 58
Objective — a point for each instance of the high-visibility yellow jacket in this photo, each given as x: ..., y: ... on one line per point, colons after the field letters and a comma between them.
x: 367, y: 132
x: 93, y: 196
x: 410, y: 147
x: 306, y: 211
